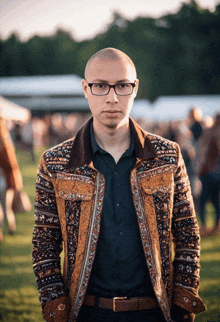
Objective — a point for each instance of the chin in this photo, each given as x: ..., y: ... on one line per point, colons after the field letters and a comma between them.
x: 114, y: 123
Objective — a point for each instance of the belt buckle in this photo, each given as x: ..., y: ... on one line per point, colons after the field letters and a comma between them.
x: 116, y: 299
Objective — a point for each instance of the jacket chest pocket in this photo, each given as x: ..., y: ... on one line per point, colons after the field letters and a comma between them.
x: 157, y: 191
x: 74, y: 195
x: 75, y: 187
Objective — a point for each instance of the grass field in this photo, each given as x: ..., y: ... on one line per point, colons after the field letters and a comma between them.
x: 18, y: 292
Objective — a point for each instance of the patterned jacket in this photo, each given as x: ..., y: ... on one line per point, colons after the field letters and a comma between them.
x: 68, y: 208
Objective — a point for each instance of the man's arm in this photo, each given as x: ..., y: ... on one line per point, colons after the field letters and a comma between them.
x: 187, y: 248
x: 47, y: 246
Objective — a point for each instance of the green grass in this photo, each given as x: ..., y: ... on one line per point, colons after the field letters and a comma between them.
x: 18, y: 292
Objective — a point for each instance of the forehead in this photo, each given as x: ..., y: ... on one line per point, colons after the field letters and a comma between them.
x: 110, y: 70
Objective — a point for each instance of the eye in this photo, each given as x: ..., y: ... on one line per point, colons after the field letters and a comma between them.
x: 123, y: 85
x: 100, y: 86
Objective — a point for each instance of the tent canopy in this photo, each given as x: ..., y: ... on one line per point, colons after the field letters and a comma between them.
x: 12, y: 111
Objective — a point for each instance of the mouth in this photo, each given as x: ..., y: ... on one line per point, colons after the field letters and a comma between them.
x: 112, y: 111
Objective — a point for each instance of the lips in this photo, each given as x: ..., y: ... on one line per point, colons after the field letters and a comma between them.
x: 112, y: 111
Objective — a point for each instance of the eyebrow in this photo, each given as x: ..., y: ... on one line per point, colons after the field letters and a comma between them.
x: 107, y: 82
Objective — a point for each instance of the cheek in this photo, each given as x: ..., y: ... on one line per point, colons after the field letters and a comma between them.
x: 130, y: 103
x: 94, y: 105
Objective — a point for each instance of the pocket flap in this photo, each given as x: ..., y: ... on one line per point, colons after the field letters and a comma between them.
x: 157, y: 183
x: 151, y: 191
x: 73, y: 188
x: 67, y: 195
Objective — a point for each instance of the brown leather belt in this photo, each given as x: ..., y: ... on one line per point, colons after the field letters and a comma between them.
x: 120, y: 304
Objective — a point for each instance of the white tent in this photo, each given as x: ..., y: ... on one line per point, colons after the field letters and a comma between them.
x: 41, y: 85
x: 12, y: 111
x: 174, y: 107
x: 167, y: 108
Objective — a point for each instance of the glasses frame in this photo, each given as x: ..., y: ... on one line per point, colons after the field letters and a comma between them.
x: 111, y: 86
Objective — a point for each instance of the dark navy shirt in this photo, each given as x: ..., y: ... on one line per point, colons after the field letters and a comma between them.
x: 119, y: 267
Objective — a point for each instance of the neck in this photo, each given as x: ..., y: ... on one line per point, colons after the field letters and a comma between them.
x: 114, y: 140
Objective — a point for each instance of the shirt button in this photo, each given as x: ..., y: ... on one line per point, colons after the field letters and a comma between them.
x: 121, y: 233
x: 115, y: 172
x: 118, y: 204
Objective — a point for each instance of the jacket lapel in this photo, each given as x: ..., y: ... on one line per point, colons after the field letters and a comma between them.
x: 143, y: 195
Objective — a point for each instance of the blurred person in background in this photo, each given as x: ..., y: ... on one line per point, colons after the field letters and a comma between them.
x: 171, y: 131
x: 40, y: 133
x: 207, y: 122
x: 58, y: 129
x: 10, y: 179
x: 27, y: 136
x: 17, y: 129
x: 195, y: 122
x: 208, y: 170
x: 184, y: 138
x: 73, y: 123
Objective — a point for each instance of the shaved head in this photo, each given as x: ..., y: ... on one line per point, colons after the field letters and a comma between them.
x: 109, y: 54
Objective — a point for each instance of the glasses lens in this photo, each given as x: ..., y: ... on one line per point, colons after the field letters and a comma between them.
x: 124, y: 89
x: 100, y: 89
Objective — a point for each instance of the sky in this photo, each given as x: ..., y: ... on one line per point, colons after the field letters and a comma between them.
x: 82, y: 18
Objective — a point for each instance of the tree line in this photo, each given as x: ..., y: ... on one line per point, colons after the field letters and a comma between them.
x: 176, y: 54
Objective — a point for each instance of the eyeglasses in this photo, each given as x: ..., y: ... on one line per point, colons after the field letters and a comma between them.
x: 101, y: 89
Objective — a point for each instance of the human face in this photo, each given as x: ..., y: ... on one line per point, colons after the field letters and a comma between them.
x: 110, y: 110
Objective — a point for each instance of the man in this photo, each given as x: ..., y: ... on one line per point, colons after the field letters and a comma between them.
x: 115, y: 196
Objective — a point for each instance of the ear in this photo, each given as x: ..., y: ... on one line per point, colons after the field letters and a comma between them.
x: 136, y: 87
x: 85, y: 87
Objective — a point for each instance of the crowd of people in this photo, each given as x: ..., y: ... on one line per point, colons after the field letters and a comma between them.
x: 199, y: 140
x: 198, y: 137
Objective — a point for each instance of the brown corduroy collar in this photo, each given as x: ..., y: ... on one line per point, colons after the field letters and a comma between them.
x: 81, y: 152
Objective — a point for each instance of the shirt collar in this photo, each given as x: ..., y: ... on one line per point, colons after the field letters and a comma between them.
x: 81, y: 152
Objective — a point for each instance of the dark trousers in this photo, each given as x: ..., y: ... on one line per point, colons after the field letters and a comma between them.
x: 210, y: 190
x: 93, y: 314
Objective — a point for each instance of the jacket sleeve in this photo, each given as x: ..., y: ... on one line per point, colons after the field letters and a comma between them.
x: 186, y: 241
x: 47, y: 246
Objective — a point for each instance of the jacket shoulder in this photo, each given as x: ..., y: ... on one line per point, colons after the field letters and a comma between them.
x: 57, y: 157
x: 162, y: 145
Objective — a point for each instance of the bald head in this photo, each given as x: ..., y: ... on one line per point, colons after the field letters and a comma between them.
x: 109, y: 54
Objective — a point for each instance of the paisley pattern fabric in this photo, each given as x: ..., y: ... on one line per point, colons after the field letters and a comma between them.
x: 68, y: 207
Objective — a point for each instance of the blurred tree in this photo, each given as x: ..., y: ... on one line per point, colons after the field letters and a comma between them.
x: 64, y: 53
x: 10, y: 55
x: 174, y: 55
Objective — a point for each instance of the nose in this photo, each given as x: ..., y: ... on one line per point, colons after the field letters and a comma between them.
x: 111, y: 97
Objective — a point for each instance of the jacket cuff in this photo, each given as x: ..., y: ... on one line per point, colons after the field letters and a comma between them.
x: 188, y: 300
x: 57, y: 310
